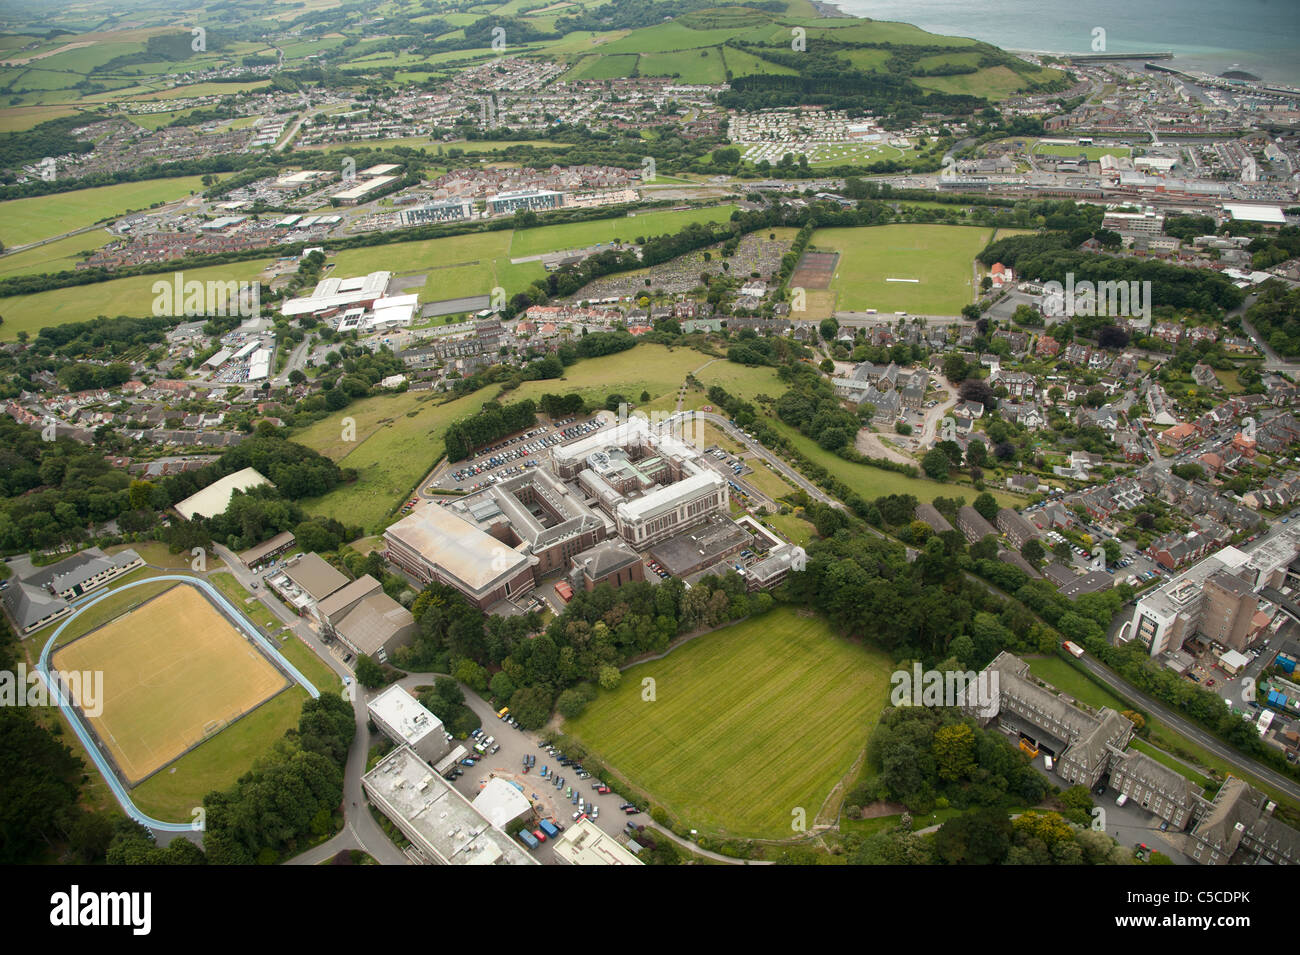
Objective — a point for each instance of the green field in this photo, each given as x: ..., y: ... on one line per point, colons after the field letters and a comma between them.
x: 132, y: 296
x: 108, y: 608
x: 577, y: 235
x: 218, y: 763
x: 748, y: 723
x: 741, y: 63
x: 794, y: 529
x: 940, y: 256
x: 1093, y: 153
x: 602, y: 67
x: 994, y: 83
x: 28, y: 220
x: 309, y: 664
x: 57, y: 256
x: 690, y: 66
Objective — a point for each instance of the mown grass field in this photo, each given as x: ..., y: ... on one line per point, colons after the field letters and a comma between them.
x: 939, y: 255
x: 172, y: 794
x: 310, y: 665
x: 175, y: 655
x: 576, y: 235
x: 1093, y: 153
x: 61, y: 255
x: 132, y: 296
x: 106, y: 609
x: 29, y: 220
x: 748, y: 724
x: 1069, y: 680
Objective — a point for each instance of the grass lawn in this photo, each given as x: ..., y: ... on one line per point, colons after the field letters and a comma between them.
x: 794, y: 529
x: 940, y: 256
x: 454, y: 266
x: 249, y: 606
x: 172, y: 793
x: 106, y: 609
x: 1160, y: 756
x: 748, y: 724
x: 766, y: 480
x: 27, y: 220
x: 132, y: 296
x: 576, y: 235
x: 1230, y: 382
x: 1069, y: 680
x: 309, y: 664
x: 1093, y: 153
x: 156, y: 554
x: 57, y: 256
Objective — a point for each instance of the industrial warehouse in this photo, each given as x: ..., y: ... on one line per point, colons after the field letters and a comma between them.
x: 606, y: 503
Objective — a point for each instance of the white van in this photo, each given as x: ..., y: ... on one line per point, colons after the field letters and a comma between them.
x: 1047, y: 763
x: 1123, y: 798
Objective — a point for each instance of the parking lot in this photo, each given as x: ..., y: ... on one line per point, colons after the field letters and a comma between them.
x: 549, y: 799
x: 511, y: 456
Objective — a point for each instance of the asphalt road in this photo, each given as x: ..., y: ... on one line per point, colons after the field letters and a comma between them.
x: 1190, y: 730
x: 785, y: 470
x: 360, y: 831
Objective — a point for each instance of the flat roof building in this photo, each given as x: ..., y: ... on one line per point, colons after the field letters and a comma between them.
x: 305, y: 581
x: 355, y: 194
x: 585, y: 843
x: 255, y: 557
x: 335, y: 293
x: 1220, y: 584
x: 443, y: 826
x: 435, y: 544
x: 1245, y: 212
x: 375, y: 626
x: 407, y: 722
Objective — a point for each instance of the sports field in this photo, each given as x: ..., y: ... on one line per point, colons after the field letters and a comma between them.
x: 1093, y: 153
x: 175, y: 672
x: 748, y: 723
x: 930, y: 266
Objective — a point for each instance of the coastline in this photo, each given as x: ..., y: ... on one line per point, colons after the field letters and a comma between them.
x: 826, y: 11
x: 1191, y: 60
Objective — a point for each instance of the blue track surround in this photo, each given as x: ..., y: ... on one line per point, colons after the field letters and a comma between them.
x: 84, y: 732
